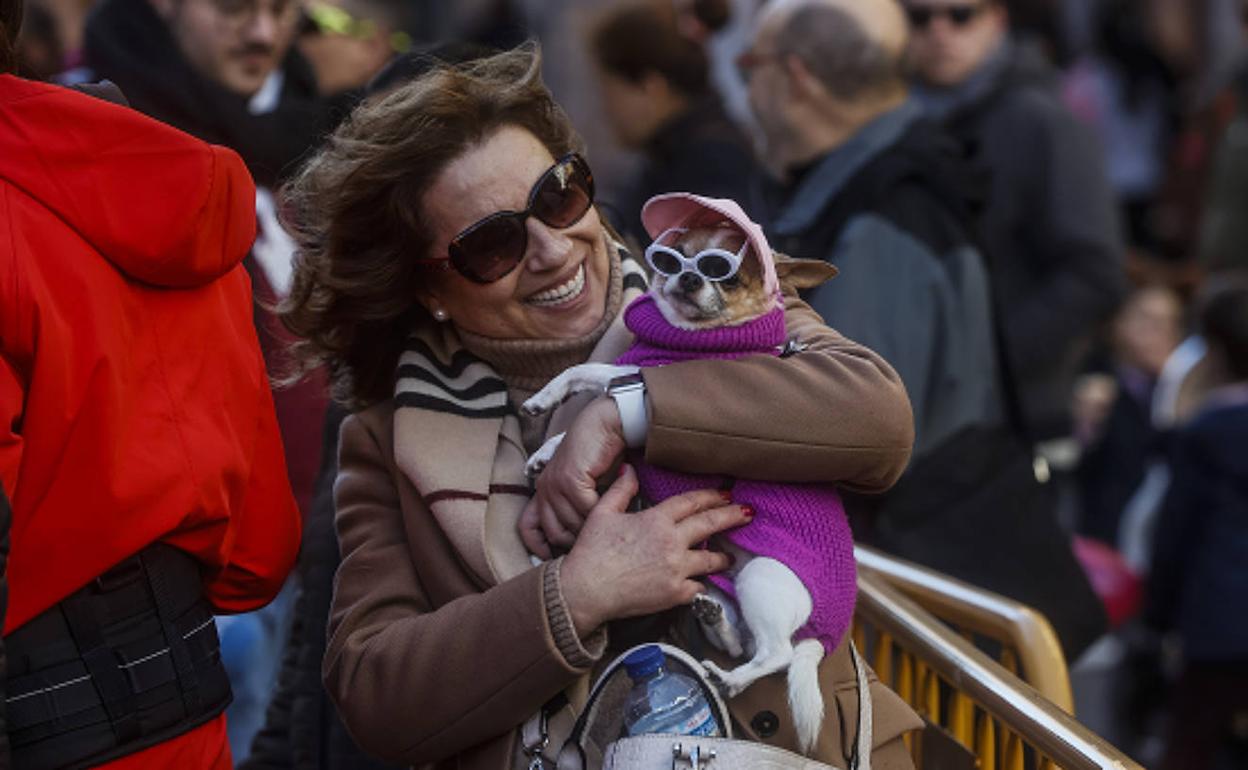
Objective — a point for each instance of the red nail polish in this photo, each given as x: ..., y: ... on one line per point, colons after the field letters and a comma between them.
x: 726, y: 495
x: 623, y: 468
x: 748, y: 510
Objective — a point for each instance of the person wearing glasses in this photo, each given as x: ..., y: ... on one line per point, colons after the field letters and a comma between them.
x: 451, y: 263
x: 878, y: 191
x: 1049, y: 224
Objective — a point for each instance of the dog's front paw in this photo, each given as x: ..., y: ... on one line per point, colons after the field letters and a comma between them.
x: 533, y: 467
x: 543, y: 401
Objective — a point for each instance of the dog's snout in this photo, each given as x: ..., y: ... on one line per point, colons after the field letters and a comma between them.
x: 690, y: 282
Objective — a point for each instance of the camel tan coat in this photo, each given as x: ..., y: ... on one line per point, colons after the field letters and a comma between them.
x: 436, y: 667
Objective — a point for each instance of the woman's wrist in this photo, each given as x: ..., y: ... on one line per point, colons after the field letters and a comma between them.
x: 579, y: 650
x: 579, y: 601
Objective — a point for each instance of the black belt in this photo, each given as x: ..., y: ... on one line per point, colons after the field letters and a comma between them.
x: 126, y: 662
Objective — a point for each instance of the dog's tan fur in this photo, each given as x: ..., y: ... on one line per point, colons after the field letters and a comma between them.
x: 717, y: 303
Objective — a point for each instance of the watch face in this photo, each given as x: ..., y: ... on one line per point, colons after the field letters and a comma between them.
x: 626, y: 381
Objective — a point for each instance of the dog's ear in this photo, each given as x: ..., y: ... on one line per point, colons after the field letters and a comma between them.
x: 802, y: 273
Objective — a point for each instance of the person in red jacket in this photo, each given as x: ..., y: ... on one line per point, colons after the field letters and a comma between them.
x: 138, y: 442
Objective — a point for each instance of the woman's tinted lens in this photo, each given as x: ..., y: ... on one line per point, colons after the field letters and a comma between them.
x: 493, y: 247
x: 665, y: 263
x: 490, y: 250
x: 961, y: 15
x: 564, y: 194
x: 919, y: 17
x: 714, y: 266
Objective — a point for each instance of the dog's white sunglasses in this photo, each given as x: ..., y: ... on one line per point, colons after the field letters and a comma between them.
x: 712, y: 264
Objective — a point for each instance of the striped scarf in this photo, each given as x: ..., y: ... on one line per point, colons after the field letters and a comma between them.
x: 458, y: 435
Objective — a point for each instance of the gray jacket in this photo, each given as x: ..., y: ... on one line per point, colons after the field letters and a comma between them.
x: 912, y: 287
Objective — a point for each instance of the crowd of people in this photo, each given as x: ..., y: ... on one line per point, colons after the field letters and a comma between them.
x: 1030, y: 370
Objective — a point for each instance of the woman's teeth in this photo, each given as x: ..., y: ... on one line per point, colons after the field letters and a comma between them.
x: 563, y: 293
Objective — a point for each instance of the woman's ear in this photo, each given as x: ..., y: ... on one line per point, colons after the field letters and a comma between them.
x: 428, y: 299
x: 803, y: 273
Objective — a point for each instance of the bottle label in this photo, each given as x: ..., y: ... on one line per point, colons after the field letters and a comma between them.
x: 701, y: 723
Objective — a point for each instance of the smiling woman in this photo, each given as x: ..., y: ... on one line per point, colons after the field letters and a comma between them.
x: 451, y: 263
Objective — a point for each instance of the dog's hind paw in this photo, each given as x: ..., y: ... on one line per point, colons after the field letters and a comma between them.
x: 707, y: 610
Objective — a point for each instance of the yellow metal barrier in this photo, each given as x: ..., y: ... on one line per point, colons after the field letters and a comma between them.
x: 1028, y: 645
x: 1004, y: 722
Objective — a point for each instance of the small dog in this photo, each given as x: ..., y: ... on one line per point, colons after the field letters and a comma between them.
x: 713, y: 295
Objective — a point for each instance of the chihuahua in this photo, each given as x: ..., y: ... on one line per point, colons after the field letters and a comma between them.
x: 793, y: 574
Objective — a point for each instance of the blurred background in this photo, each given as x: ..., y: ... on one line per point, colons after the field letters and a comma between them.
x: 1161, y: 84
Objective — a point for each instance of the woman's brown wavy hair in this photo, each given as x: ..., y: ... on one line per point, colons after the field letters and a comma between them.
x: 355, y: 211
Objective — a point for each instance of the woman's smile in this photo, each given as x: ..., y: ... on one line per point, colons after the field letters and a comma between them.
x: 564, y: 293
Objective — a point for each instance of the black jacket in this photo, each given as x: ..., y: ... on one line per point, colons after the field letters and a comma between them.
x: 1049, y: 225
x: 894, y: 209
x: 699, y: 151
x: 1199, y: 583
x: 129, y: 44
x: 302, y: 730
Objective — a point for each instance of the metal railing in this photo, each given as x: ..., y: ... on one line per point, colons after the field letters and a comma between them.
x: 1026, y: 643
x: 1006, y: 723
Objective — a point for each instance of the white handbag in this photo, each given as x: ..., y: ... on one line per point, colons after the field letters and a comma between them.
x: 692, y: 752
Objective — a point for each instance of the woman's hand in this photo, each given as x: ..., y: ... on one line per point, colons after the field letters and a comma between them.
x: 629, y: 564
x: 568, y: 487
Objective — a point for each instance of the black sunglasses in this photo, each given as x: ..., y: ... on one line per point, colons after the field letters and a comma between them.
x: 493, y: 247
x: 959, y: 15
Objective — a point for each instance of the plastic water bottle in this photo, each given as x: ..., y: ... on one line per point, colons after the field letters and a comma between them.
x: 662, y: 701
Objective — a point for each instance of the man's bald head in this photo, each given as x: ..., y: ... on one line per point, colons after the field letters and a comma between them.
x: 854, y: 47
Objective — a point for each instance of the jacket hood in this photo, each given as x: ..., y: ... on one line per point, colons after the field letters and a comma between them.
x: 161, y: 206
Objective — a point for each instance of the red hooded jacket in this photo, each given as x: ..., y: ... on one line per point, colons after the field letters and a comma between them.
x: 134, y: 405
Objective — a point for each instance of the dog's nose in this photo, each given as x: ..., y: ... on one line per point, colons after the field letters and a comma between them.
x: 690, y: 282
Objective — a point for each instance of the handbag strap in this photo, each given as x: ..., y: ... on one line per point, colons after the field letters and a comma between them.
x: 862, y: 747
x: 572, y: 755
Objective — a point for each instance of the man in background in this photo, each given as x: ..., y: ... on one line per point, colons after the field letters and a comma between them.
x: 659, y: 100
x: 873, y: 189
x: 1049, y: 225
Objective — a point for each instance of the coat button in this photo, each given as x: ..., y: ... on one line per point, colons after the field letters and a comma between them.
x: 765, y: 723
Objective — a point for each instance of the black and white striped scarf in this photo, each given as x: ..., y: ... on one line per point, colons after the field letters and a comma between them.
x: 458, y: 437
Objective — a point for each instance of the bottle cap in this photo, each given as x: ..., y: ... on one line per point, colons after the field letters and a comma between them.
x: 644, y: 661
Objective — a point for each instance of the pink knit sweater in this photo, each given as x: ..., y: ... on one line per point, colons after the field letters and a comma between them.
x: 802, y: 526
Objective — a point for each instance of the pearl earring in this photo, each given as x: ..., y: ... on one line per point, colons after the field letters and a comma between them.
x: 440, y: 315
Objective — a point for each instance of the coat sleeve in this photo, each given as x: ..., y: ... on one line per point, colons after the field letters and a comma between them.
x: 12, y: 396
x: 267, y: 533
x: 12, y: 385
x: 834, y: 413
x: 1177, y: 537
x: 414, y: 683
